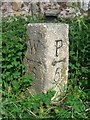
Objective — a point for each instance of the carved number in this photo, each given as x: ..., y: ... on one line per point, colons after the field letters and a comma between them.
x: 57, y: 76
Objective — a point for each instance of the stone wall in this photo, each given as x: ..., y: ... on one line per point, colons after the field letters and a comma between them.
x: 65, y: 9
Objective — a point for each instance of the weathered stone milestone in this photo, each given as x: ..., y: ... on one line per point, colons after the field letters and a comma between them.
x: 47, y: 56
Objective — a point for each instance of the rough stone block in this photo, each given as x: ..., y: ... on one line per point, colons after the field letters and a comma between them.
x: 16, y: 4
x: 47, y: 56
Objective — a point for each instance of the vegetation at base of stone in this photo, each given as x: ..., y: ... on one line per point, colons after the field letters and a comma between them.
x: 16, y: 102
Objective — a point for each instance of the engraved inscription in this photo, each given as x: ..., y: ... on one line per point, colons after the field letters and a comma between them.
x: 34, y: 72
x: 31, y: 60
x: 55, y: 62
x: 57, y: 77
x: 34, y: 46
x: 59, y: 44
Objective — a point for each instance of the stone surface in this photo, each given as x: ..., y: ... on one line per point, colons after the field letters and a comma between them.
x: 52, y: 12
x: 16, y: 4
x: 47, y: 56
